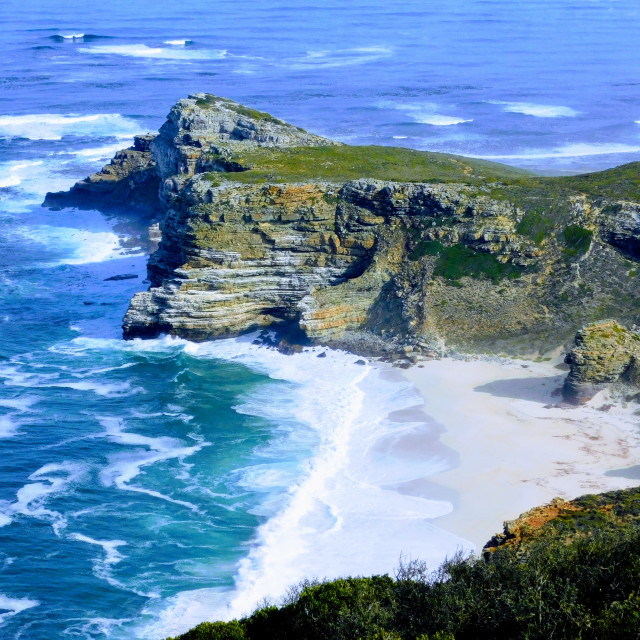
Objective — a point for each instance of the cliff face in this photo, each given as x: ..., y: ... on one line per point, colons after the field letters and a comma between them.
x: 129, y: 181
x: 375, y: 248
x: 568, y: 520
x: 604, y: 353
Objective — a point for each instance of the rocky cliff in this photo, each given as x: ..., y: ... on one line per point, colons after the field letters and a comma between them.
x: 570, y: 519
x: 370, y: 248
x: 604, y: 353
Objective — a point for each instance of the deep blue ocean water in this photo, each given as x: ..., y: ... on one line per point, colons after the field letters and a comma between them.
x: 147, y: 485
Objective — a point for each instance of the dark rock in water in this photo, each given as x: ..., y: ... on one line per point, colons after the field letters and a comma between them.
x: 604, y: 353
x: 88, y: 302
x: 122, y: 276
x: 361, y: 362
x: 289, y: 348
x: 322, y: 355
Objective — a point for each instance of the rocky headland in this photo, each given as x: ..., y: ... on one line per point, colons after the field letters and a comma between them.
x: 405, y: 254
x: 383, y: 251
x: 604, y: 353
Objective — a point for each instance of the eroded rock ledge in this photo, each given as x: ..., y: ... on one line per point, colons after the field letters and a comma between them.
x: 375, y: 249
x: 604, y: 353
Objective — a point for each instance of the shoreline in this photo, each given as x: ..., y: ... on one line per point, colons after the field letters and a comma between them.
x: 516, y: 447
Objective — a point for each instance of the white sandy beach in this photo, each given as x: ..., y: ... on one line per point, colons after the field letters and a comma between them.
x: 517, y: 449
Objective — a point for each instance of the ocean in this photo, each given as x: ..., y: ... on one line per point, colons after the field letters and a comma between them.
x: 148, y: 485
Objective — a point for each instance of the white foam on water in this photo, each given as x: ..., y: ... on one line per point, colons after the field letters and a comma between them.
x: 72, y: 36
x: 340, y: 57
x: 339, y: 517
x: 91, y: 628
x: 53, y: 126
x: 537, y: 110
x: 575, y: 150
x: 14, y: 172
x: 50, y: 480
x: 177, y: 43
x: 98, y: 153
x: 425, y: 113
x: 8, y: 426
x: 441, y: 121
x: 79, y: 245
x: 11, y: 606
x: 124, y: 467
x: 21, y: 404
x: 30, y: 181
x: 104, y: 389
x: 159, y: 53
x: 9, y: 181
x: 102, y: 566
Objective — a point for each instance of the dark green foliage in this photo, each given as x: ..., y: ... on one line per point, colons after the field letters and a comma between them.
x: 577, y: 240
x: 426, y: 248
x: 459, y: 260
x: 215, y: 631
x: 536, y: 224
x: 584, y: 586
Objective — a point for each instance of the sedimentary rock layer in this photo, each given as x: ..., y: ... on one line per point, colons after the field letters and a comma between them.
x: 604, y: 353
x: 371, y: 248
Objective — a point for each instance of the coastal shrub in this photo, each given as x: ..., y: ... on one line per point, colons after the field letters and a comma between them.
x: 535, y: 224
x: 426, y: 248
x: 573, y: 580
x: 577, y: 240
x: 459, y: 260
x: 215, y: 631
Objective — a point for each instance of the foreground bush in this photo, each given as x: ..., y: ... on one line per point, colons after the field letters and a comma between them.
x: 584, y: 587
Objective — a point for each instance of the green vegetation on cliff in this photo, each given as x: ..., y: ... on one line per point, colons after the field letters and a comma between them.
x: 458, y: 260
x: 577, y: 576
x: 577, y: 239
x: 343, y: 163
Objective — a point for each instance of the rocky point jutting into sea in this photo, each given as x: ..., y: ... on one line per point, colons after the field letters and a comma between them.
x: 382, y: 251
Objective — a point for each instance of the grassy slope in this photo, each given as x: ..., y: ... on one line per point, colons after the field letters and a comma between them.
x: 342, y: 163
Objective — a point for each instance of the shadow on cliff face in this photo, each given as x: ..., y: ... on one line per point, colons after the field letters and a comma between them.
x: 385, y: 314
x: 537, y: 389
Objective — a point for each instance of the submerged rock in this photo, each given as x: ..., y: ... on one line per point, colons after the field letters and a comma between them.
x: 122, y: 276
x: 604, y: 353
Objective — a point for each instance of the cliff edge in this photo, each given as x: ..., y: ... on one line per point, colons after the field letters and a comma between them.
x: 370, y: 248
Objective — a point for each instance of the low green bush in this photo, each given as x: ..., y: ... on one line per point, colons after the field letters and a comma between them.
x: 459, y: 260
x: 577, y: 240
x: 585, y: 586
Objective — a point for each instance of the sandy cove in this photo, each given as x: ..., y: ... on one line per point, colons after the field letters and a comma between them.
x: 517, y: 449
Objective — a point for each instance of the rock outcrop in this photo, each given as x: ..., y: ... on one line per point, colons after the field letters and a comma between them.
x: 369, y: 248
x: 129, y: 181
x: 604, y: 353
x: 568, y: 519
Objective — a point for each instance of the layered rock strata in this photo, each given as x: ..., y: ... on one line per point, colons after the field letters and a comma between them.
x: 604, y: 353
x: 129, y: 181
x: 370, y: 248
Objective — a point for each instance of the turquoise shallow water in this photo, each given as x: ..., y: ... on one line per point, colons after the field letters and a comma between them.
x: 146, y: 485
